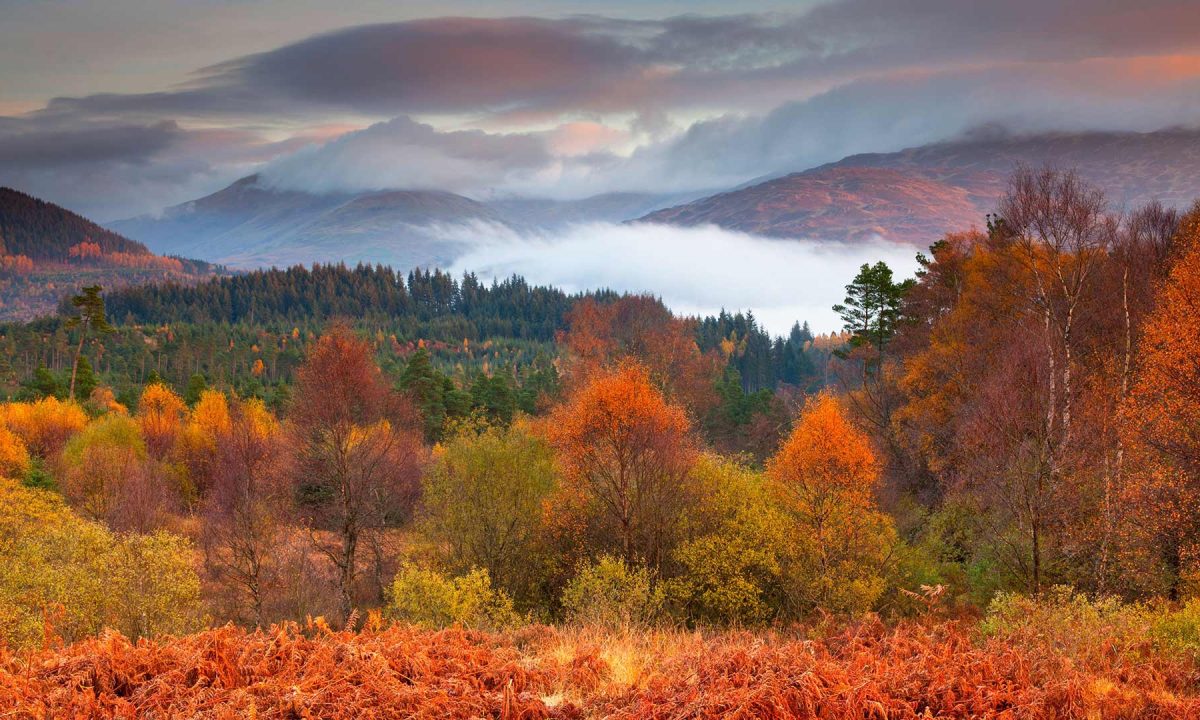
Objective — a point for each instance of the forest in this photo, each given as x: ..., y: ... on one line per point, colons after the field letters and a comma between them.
x: 337, y: 492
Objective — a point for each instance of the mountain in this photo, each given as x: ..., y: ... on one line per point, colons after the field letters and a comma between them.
x: 47, y: 252
x: 612, y: 207
x: 249, y: 224
x: 916, y: 195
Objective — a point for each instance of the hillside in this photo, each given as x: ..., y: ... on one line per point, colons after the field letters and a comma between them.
x: 915, y: 195
x: 47, y: 251
x: 249, y: 224
x: 44, y: 231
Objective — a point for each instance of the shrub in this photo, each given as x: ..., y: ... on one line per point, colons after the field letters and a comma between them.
x: 62, y: 573
x: 722, y: 580
x: 1179, y: 630
x: 1070, y: 623
x: 729, y: 572
x: 612, y: 593
x: 425, y: 597
x: 158, y: 587
x: 14, y: 457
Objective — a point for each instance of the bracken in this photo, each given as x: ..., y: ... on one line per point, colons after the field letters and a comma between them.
x: 869, y: 670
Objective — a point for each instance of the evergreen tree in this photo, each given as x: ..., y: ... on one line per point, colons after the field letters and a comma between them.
x: 85, y: 381
x: 91, y: 317
x: 871, y: 310
x: 197, y: 384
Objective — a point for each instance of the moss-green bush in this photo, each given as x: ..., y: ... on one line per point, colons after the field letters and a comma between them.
x: 612, y: 593
x: 425, y: 597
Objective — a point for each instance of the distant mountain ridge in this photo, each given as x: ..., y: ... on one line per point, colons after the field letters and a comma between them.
x: 249, y: 224
x: 915, y: 195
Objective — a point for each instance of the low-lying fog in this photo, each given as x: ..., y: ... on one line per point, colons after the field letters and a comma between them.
x: 694, y: 270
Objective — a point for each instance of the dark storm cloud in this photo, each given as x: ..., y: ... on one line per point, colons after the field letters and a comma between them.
x: 24, y: 146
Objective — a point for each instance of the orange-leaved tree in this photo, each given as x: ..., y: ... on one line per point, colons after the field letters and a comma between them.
x: 640, y: 328
x: 160, y: 412
x: 627, y: 454
x: 824, y: 479
x: 44, y: 425
x: 1164, y: 407
x: 14, y: 456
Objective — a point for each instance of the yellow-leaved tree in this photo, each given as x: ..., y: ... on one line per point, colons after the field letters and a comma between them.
x: 160, y: 412
x: 44, y: 425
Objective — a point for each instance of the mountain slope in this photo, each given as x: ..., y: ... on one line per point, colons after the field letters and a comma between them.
x: 44, y: 231
x: 48, y: 252
x: 611, y: 207
x: 251, y: 225
x: 916, y: 195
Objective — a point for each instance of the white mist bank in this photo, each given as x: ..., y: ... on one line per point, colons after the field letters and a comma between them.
x: 694, y: 270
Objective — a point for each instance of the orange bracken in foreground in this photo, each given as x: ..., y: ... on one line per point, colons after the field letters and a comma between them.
x: 871, y: 670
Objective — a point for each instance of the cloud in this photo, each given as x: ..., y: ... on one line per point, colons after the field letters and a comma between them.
x: 574, y: 106
x: 23, y: 146
x: 521, y: 65
x: 888, y: 114
x: 402, y: 153
x: 696, y: 270
x: 110, y: 170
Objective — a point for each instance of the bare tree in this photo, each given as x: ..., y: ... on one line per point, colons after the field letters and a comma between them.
x: 1061, y: 225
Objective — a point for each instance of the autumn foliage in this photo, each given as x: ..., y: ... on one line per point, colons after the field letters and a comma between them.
x: 626, y: 455
x: 989, y: 509
x: 867, y: 670
x: 1164, y: 409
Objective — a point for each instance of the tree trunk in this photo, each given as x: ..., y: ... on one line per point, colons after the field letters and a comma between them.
x: 75, y: 365
x: 346, y: 582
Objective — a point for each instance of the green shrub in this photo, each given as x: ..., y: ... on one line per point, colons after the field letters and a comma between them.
x: 612, y: 593
x: 1179, y: 630
x: 723, y: 581
x: 1082, y: 627
x: 1071, y: 624
x: 482, y: 507
x: 78, y: 577
x: 425, y: 597
x: 728, y: 571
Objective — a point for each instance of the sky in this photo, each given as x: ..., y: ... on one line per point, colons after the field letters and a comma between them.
x: 124, y: 107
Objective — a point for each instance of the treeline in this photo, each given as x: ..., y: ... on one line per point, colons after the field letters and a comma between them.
x: 250, y: 332
x: 426, y: 304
